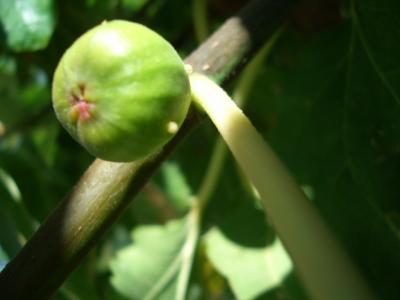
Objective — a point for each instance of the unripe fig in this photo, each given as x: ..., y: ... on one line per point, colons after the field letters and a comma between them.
x: 121, y: 91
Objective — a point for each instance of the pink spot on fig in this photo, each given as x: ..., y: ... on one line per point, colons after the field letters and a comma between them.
x: 83, y: 109
x: 80, y: 107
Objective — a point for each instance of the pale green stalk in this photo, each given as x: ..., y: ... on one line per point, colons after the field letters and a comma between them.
x: 240, y: 95
x: 210, y: 180
x: 326, y: 270
x: 188, y: 252
x: 199, y: 16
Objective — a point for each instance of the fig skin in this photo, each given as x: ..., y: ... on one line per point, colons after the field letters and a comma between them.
x: 121, y: 91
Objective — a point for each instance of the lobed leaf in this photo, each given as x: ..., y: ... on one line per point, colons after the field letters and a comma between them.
x: 148, y: 268
x: 240, y: 251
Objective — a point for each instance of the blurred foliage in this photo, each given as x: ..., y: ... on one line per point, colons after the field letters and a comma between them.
x: 327, y: 99
x: 29, y: 24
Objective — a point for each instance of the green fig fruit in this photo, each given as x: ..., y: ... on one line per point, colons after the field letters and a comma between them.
x: 121, y: 91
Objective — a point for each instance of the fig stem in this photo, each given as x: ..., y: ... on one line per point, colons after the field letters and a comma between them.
x: 324, y: 267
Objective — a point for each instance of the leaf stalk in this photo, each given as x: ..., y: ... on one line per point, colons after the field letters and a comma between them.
x: 326, y: 270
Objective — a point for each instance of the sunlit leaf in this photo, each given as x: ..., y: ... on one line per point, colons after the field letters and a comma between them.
x: 250, y: 271
x: 148, y: 268
x: 245, y: 250
x: 29, y: 24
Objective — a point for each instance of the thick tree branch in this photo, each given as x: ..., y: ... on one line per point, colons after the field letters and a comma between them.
x: 106, y: 188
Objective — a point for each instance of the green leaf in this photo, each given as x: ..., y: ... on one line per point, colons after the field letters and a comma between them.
x: 148, y: 268
x: 3, y: 258
x: 372, y: 123
x: 20, y: 163
x: 29, y: 24
x: 250, y: 271
x: 9, y: 233
x: 134, y: 5
x: 372, y: 135
x: 176, y: 186
x: 377, y: 24
x: 15, y: 208
x: 17, y: 224
x: 336, y: 127
x: 170, y: 18
x: 45, y: 140
x: 240, y: 250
